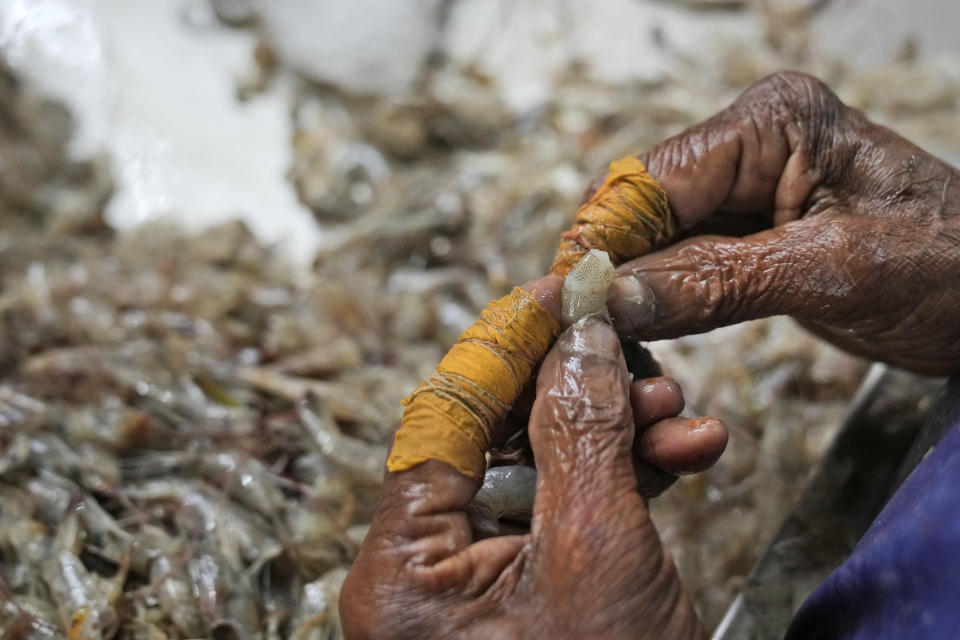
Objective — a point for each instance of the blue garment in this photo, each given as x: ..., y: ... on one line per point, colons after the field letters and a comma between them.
x: 903, y: 578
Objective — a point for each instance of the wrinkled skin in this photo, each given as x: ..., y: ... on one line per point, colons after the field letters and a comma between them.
x: 665, y: 446
x: 859, y: 233
x: 826, y: 217
x: 592, y: 565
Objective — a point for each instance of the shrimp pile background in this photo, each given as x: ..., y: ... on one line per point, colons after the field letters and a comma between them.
x: 192, y: 432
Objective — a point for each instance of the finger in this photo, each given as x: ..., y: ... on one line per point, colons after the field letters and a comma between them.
x: 412, y: 565
x: 805, y: 269
x: 591, y: 534
x: 419, y: 543
x: 654, y: 399
x: 665, y: 445
x: 651, y: 480
x: 473, y: 389
x: 581, y: 426
x: 640, y: 363
x: 765, y: 154
x: 683, y: 445
x: 547, y: 291
x: 421, y: 510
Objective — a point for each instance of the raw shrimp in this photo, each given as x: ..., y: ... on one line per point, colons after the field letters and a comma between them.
x: 507, y: 493
x: 317, y: 615
x: 585, y: 287
x: 365, y: 460
x: 174, y: 593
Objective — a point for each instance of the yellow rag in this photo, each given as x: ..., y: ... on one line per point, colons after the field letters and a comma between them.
x: 450, y: 415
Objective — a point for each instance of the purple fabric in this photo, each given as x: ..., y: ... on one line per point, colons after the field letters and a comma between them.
x: 903, y: 578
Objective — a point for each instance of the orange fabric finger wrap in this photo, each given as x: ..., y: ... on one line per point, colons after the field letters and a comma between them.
x: 449, y: 416
x: 627, y: 217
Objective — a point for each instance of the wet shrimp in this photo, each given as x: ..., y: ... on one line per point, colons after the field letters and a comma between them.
x: 505, y: 497
x: 364, y: 459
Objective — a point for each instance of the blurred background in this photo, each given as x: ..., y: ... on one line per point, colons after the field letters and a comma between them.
x: 213, y: 209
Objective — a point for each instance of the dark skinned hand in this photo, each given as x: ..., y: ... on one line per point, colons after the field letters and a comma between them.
x: 860, y: 239
x: 856, y: 239
x: 592, y: 565
x: 665, y: 445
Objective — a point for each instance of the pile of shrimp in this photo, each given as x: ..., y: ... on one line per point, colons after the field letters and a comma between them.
x: 192, y: 433
x: 191, y: 443
x: 174, y: 460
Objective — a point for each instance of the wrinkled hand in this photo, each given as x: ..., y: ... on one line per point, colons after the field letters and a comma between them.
x: 592, y: 565
x: 665, y: 445
x: 860, y: 239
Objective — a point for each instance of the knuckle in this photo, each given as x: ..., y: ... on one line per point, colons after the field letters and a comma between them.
x: 665, y: 157
x: 797, y: 96
x: 609, y: 409
x: 711, y: 280
x: 806, y: 111
x: 582, y: 413
x: 682, y: 151
x: 591, y: 404
x: 732, y: 281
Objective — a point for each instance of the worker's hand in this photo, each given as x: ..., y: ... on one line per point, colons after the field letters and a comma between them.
x: 860, y: 239
x: 665, y: 445
x: 592, y: 565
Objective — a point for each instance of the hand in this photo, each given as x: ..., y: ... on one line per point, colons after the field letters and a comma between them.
x: 665, y: 445
x: 860, y: 239
x: 592, y: 565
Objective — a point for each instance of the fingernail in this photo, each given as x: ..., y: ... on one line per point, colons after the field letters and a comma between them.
x: 631, y: 305
x: 591, y: 335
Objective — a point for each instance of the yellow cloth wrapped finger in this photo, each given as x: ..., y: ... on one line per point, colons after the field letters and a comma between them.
x: 449, y: 416
x: 627, y: 217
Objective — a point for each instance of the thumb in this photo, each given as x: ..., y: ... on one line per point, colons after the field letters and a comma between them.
x: 592, y: 537
x: 713, y: 281
x: 581, y: 427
